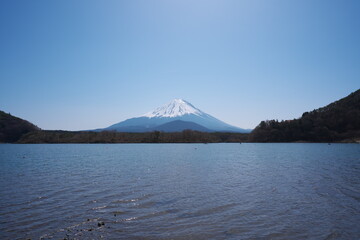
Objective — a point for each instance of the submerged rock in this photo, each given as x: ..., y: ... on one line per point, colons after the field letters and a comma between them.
x: 101, y: 224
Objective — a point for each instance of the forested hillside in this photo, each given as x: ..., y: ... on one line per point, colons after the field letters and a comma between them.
x: 338, y: 121
x: 12, y: 128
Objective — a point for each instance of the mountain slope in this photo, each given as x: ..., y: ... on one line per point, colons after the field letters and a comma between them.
x: 179, y: 126
x: 12, y: 128
x: 337, y: 121
x: 177, y: 109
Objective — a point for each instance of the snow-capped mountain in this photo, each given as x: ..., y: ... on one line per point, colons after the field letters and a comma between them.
x: 181, y: 114
x: 175, y: 108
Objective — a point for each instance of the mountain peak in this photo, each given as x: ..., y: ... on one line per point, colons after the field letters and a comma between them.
x: 179, y: 100
x: 173, y: 116
x: 176, y: 108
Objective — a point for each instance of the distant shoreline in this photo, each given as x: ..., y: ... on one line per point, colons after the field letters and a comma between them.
x: 337, y: 122
x: 40, y: 143
x: 108, y: 137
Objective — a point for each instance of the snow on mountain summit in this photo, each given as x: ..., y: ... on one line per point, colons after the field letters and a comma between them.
x: 175, y: 108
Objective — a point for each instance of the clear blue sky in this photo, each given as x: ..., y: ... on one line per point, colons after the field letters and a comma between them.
x: 88, y: 64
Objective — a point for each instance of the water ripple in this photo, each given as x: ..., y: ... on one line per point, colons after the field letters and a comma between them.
x: 170, y: 191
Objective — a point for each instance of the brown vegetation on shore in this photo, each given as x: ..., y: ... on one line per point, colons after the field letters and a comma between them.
x: 187, y: 136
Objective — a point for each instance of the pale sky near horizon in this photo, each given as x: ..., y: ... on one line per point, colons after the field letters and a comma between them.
x: 75, y: 65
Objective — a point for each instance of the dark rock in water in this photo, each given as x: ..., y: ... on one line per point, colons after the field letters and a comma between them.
x: 100, y: 224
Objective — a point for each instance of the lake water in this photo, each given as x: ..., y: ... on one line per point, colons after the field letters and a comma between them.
x: 180, y: 191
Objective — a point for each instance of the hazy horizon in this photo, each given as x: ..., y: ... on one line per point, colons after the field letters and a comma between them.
x: 76, y: 65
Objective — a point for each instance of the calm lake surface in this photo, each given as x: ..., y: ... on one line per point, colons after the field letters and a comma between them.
x: 180, y: 191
